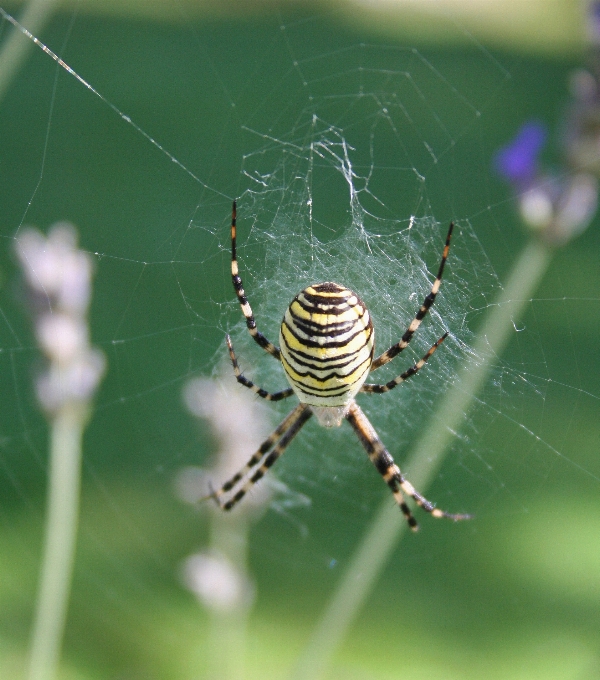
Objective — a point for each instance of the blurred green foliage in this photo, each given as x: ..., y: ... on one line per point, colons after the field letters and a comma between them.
x: 512, y: 594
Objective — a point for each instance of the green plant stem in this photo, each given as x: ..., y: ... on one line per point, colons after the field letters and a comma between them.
x: 226, y: 643
x: 16, y: 47
x: 424, y: 462
x: 60, y: 534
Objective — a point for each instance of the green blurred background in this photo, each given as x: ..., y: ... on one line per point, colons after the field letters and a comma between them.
x: 513, y: 594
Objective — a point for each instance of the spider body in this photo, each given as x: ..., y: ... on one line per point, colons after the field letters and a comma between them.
x: 326, y: 348
x: 327, y: 340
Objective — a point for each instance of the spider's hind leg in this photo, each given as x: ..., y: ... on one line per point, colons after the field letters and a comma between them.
x: 235, y: 488
x: 387, y: 468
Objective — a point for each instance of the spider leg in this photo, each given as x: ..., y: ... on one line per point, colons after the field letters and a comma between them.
x: 420, y: 315
x: 266, y: 455
x: 269, y: 396
x: 371, y: 387
x: 383, y: 461
x: 239, y: 290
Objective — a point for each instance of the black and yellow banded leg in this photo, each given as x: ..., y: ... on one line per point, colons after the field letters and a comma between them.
x: 266, y: 455
x: 243, y: 300
x: 387, y: 468
x: 269, y: 396
x: 420, y: 315
x: 415, y: 368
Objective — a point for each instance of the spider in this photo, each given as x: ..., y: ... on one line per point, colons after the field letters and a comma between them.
x: 326, y: 348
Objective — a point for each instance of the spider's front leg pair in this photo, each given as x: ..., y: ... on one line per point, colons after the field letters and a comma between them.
x: 330, y: 341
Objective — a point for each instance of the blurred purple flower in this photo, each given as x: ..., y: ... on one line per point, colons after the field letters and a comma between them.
x: 593, y: 22
x: 517, y: 162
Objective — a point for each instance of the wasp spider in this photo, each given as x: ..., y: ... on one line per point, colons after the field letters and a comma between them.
x: 326, y: 347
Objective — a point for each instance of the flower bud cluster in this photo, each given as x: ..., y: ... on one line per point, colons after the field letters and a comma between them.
x: 558, y: 205
x: 239, y: 424
x: 217, y: 575
x: 58, y: 277
x: 216, y: 582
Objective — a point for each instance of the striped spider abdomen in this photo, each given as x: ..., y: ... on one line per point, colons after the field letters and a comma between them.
x: 327, y: 342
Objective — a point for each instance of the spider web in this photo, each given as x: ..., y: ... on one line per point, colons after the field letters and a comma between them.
x: 348, y: 160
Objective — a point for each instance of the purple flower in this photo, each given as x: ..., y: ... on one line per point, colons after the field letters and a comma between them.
x: 593, y: 23
x: 517, y: 162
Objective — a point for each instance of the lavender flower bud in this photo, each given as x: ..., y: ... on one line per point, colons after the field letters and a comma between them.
x: 59, y: 278
x: 217, y: 583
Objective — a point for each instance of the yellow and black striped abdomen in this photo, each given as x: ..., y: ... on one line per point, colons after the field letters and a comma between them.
x: 326, y: 341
